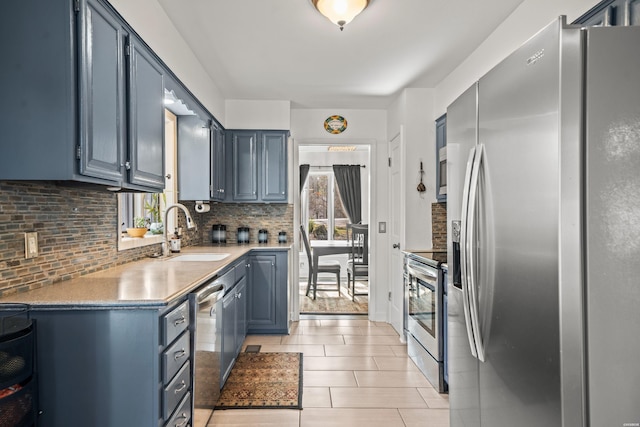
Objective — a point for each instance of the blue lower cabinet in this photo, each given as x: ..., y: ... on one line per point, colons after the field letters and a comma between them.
x: 267, y: 289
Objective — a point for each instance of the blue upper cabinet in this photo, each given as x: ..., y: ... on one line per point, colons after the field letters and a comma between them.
x: 273, y: 172
x: 146, y: 117
x: 441, y: 158
x: 244, y: 165
x: 102, y: 39
x: 258, y: 166
x: 86, y: 103
x: 612, y: 13
x: 218, y: 165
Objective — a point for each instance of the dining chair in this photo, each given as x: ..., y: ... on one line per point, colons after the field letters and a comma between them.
x: 358, y: 263
x: 332, y: 267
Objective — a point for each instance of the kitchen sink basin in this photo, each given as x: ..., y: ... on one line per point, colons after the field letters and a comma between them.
x: 199, y: 257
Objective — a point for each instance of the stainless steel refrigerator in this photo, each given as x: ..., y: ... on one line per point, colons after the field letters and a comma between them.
x: 543, y: 213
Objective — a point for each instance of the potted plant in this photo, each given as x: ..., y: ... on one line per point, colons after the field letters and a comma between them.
x: 152, y: 205
x: 139, y: 228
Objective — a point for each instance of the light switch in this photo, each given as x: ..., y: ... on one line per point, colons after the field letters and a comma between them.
x: 30, y: 245
x: 382, y: 227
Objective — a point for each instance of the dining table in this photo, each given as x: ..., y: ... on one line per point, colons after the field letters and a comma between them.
x: 326, y: 247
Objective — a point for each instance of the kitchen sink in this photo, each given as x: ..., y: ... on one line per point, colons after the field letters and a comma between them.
x: 199, y: 257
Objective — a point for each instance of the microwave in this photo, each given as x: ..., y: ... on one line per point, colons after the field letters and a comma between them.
x: 442, y: 172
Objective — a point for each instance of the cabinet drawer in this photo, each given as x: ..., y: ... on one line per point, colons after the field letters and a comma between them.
x: 175, y: 322
x: 182, y: 416
x: 174, y: 357
x: 176, y: 390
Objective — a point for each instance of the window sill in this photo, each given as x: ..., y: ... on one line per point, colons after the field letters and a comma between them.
x: 127, y: 242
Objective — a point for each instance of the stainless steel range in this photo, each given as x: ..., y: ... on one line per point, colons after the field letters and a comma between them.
x: 424, y: 318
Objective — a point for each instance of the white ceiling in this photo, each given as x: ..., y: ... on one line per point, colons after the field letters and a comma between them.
x: 286, y: 50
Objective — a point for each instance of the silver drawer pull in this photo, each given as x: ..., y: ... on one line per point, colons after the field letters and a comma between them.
x: 184, y: 419
x: 183, y: 385
x: 179, y: 321
x: 178, y: 354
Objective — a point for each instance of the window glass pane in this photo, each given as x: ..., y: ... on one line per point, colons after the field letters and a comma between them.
x: 318, y: 206
x: 340, y: 217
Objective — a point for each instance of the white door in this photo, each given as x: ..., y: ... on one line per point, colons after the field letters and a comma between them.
x: 396, y: 237
x: 170, y: 146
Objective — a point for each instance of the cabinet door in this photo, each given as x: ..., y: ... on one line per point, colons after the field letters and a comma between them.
x: 441, y: 142
x: 274, y: 166
x: 102, y: 93
x: 146, y: 117
x: 241, y: 313
x: 244, y: 161
x: 228, y: 335
x: 262, y: 291
x: 194, y: 154
x: 218, y: 162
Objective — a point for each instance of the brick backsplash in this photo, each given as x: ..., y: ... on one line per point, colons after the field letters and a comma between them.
x: 439, y: 226
x: 272, y: 217
x: 77, y: 234
x: 77, y: 231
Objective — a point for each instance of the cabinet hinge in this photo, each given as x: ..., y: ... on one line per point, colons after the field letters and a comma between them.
x: 76, y: 6
x: 78, y: 152
x: 127, y: 49
x: 389, y: 161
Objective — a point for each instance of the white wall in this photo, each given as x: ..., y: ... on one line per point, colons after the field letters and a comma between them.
x: 529, y: 18
x: 413, y: 110
x: 248, y: 114
x: 154, y: 26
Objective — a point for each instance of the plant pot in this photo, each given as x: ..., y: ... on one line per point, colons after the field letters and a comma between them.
x: 136, y: 232
x: 156, y: 228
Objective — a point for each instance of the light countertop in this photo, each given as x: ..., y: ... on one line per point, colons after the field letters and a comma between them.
x: 152, y: 282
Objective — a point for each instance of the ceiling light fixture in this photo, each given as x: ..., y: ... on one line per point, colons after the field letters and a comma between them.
x: 340, y: 12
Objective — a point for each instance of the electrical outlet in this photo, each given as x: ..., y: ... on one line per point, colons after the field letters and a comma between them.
x: 30, y: 245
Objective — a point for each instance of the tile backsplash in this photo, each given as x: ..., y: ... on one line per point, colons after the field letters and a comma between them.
x: 439, y: 226
x: 77, y: 234
x: 77, y: 231
x: 272, y: 217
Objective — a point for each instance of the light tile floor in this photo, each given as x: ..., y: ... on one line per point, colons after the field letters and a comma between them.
x: 356, y: 373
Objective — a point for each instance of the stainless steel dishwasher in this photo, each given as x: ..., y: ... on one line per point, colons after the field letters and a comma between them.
x: 206, y: 309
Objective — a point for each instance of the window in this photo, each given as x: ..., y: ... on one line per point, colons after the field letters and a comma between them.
x: 151, y: 206
x: 322, y: 208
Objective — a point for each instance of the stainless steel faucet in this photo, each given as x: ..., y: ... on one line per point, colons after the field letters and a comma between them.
x: 191, y: 225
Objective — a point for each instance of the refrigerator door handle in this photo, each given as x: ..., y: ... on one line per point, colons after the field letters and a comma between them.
x: 471, y: 244
x: 464, y: 268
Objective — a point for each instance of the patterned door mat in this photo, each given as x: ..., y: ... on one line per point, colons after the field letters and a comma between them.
x: 263, y: 380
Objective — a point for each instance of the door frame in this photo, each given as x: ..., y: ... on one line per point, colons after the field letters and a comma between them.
x: 372, y: 171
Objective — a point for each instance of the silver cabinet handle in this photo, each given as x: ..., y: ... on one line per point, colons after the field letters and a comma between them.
x: 178, y: 354
x: 183, y: 385
x: 179, y: 320
x: 239, y: 295
x: 127, y: 165
x: 183, y: 417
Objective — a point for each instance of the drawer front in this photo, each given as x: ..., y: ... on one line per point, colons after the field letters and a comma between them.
x: 175, y: 322
x: 176, y: 390
x: 182, y: 416
x: 174, y: 357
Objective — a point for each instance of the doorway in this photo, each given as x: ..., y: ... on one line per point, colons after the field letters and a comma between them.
x: 324, y: 218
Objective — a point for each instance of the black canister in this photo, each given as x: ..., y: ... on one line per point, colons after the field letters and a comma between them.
x: 282, y: 237
x: 243, y: 235
x: 263, y: 236
x: 219, y: 233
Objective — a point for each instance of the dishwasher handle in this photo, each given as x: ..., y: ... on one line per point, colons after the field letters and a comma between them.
x: 210, y: 293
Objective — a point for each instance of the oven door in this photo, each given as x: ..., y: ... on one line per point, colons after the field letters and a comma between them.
x: 424, y: 307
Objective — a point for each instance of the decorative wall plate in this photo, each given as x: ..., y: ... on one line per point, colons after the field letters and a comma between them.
x: 335, y: 124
